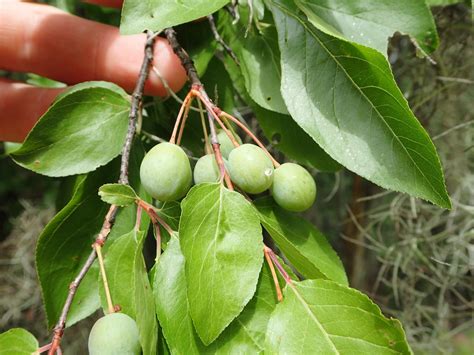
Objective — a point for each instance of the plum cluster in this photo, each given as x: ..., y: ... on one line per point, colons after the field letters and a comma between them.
x: 166, y: 174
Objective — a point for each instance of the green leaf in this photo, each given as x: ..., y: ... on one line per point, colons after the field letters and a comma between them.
x: 129, y: 286
x: 117, y: 194
x: 18, y: 341
x: 66, y: 241
x: 259, y: 59
x: 221, y: 239
x: 282, y: 130
x: 91, y: 85
x: 156, y: 15
x: 246, y: 334
x: 290, y: 139
x: 344, y: 96
x: 304, y: 246
x: 373, y: 22
x: 323, y: 317
x: 170, y: 212
x: 83, y: 129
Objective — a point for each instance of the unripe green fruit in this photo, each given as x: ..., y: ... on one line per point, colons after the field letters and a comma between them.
x: 293, y: 187
x: 115, y: 333
x: 206, y: 170
x: 250, y: 168
x: 165, y: 172
x: 226, y: 144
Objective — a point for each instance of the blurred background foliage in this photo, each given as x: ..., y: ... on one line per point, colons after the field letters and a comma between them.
x: 414, y: 259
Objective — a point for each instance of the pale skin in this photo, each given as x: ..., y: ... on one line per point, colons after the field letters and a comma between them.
x: 43, y: 40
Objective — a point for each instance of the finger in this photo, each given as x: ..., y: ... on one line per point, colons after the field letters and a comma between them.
x: 20, y: 107
x: 49, y: 42
x: 108, y: 3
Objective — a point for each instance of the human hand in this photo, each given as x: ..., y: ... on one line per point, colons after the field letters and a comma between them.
x: 44, y: 40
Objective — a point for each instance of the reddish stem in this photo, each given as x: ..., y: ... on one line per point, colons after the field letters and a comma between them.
x: 185, y: 118
x: 278, y: 265
x: 150, y: 210
x: 158, y: 240
x: 201, y: 94
x: 221, y: 165
x: 138, y: 220
x: 274, y: 275
x: 226, y: 130
x: 180, y: 114
x: 44, y: 348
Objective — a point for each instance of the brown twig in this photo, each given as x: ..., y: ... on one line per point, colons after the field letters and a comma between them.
x: 233, y: 11
x: 110, y: 217
x: 137, y: 97
x: 220, y: 40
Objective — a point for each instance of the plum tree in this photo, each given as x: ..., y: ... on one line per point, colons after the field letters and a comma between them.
x: 293, y: 187
x: 206, y: 169
x: 226, y: 144
x: 165, y: 172
x: 250, y: 168
x: 115, y: 333
x: 209, y: 282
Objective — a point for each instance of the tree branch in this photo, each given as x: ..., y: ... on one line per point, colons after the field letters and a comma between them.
x: 137, y: 97
x: 109, y: 220
x: 183, y: 56
x: 197, y: 85
x: 220, y: 40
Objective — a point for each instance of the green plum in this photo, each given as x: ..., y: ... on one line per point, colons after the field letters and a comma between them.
x: 251, y: 168
x: 226, y: 144
x: 206, y: 169
x: 115, y: 333
x: 165, y: 172
x: 293, y: 187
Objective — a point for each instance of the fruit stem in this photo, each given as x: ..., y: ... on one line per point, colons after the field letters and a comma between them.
x: 155, y: 219
x: 199, y: 92
x: 229, y: 126
x: 156, y: 228
x: 98, y: 250
x: 169, y: 91
x: 138, y: 220
x: 202, y: 95
x: 248, y: 132
x: 178, y: 118
x: 185, y: 118
x: 197, y: 87
x: 279, y: 266
x: 207, y: 144
x: 158, y: 240
x: 227, y: 131
x: 274, y: 275
x: 44, y: 348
